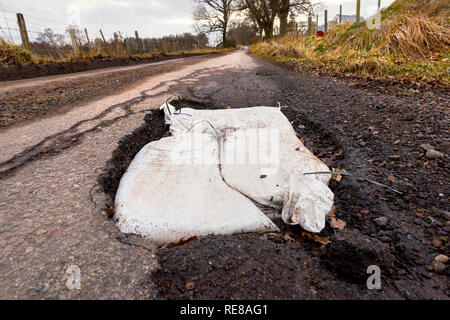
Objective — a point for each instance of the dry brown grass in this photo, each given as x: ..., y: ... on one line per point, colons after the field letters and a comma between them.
x: 13, y: 55
x: 414, y: 41
x: 416, y: 37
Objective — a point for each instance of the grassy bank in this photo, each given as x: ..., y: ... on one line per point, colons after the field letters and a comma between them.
x: 413, y: 42
x: 13, y: 55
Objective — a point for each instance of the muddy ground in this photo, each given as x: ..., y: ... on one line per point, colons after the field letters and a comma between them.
x: 16, y: 72
x: 372, y: 129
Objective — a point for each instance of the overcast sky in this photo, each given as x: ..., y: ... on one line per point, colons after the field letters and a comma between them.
x: 153, y: 18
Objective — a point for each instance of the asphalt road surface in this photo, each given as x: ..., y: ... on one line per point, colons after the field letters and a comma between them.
x: 52, y: 208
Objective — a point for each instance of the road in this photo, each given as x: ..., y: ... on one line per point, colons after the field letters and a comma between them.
x: 53, y: 209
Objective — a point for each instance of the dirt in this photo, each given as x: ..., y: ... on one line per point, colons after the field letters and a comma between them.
x: 371, y: 129
x: 28, y: 71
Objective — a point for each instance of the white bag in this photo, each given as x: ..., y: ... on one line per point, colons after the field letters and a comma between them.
x: 198, y: 182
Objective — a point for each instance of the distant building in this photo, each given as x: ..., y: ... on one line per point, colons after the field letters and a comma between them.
x: 345, y: 18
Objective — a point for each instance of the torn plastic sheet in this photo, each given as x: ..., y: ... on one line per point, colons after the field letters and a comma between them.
x: 202, y: 180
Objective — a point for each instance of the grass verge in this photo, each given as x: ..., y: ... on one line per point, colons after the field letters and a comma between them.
x: 413, y: 43
x: 13, y: 55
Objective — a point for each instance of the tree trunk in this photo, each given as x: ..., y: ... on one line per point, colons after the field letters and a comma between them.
x: 268, y: 30
x: 284, y: 16
x: 225, y: 24
x: 224, y: 36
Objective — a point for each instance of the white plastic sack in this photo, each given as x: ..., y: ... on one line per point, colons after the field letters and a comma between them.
x: 306, y: 202
x: 197, y: 183
x: 165, y: 198
x: 268, y: 183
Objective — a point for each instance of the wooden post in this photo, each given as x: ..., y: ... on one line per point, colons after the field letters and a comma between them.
x: 340, y: 13
x: 317, y: 23
x: 116, y: 43
x: 310, y: 27
x: 127, y: 46
x: 88, y: 40
x: 358, y: 10
x: 23, y: 31
x: 104, y: 40
x: 139, y: 43
x: 76, y: 48
x: 379, y: 5
x: 161, y: 46
x: 325, y: 23
x: 180, y: 44
x: 146, y: 45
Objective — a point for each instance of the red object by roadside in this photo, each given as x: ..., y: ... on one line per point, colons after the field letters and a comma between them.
x: 320, y: 34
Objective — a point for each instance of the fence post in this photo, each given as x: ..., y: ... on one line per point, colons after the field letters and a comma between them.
x: 379, y: 5
x: 340, y: 13
x: 162, y: 46
x: 358, y: 10
x: 76, y: 49
x: 310, y: 27
x: 126, y: 45
x: 104, y: 40
x: 139, y: 43
x: 116, y: 43
x: 23, y: 31
x: 88, y: 40
x: 325, y: 23
x: 317, y: 22
x: 180, y: 44
x: 146, y: 45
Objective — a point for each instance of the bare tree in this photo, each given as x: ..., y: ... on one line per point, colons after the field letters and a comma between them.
x: 243, y: 32
x: 213, y: 16
x: 294, y: 7
x: 51, y: 38
x: 263, y: 12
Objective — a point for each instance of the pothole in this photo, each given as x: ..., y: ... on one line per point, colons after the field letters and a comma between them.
x: 154, y: 129
x: 290, y: 240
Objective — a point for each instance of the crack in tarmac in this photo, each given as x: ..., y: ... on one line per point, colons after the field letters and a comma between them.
x: 58, y: 142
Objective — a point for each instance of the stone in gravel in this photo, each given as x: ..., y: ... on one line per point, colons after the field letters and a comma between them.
x: 337, y: 224
x: 427, y: 146
x: 190, y: 286
x: 447, y: 214
x: 439, y: 267
x: 381, y: 222
x: 437, y: 243
x: 350, y: 253
x: 433, y: 154
x: 426, y: 274
x: 442, y: 258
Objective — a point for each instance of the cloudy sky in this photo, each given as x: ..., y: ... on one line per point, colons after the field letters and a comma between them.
x: 150, y: 17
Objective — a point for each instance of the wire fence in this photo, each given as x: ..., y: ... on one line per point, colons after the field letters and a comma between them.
x: 327, y: 21
x: 50, y: 37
